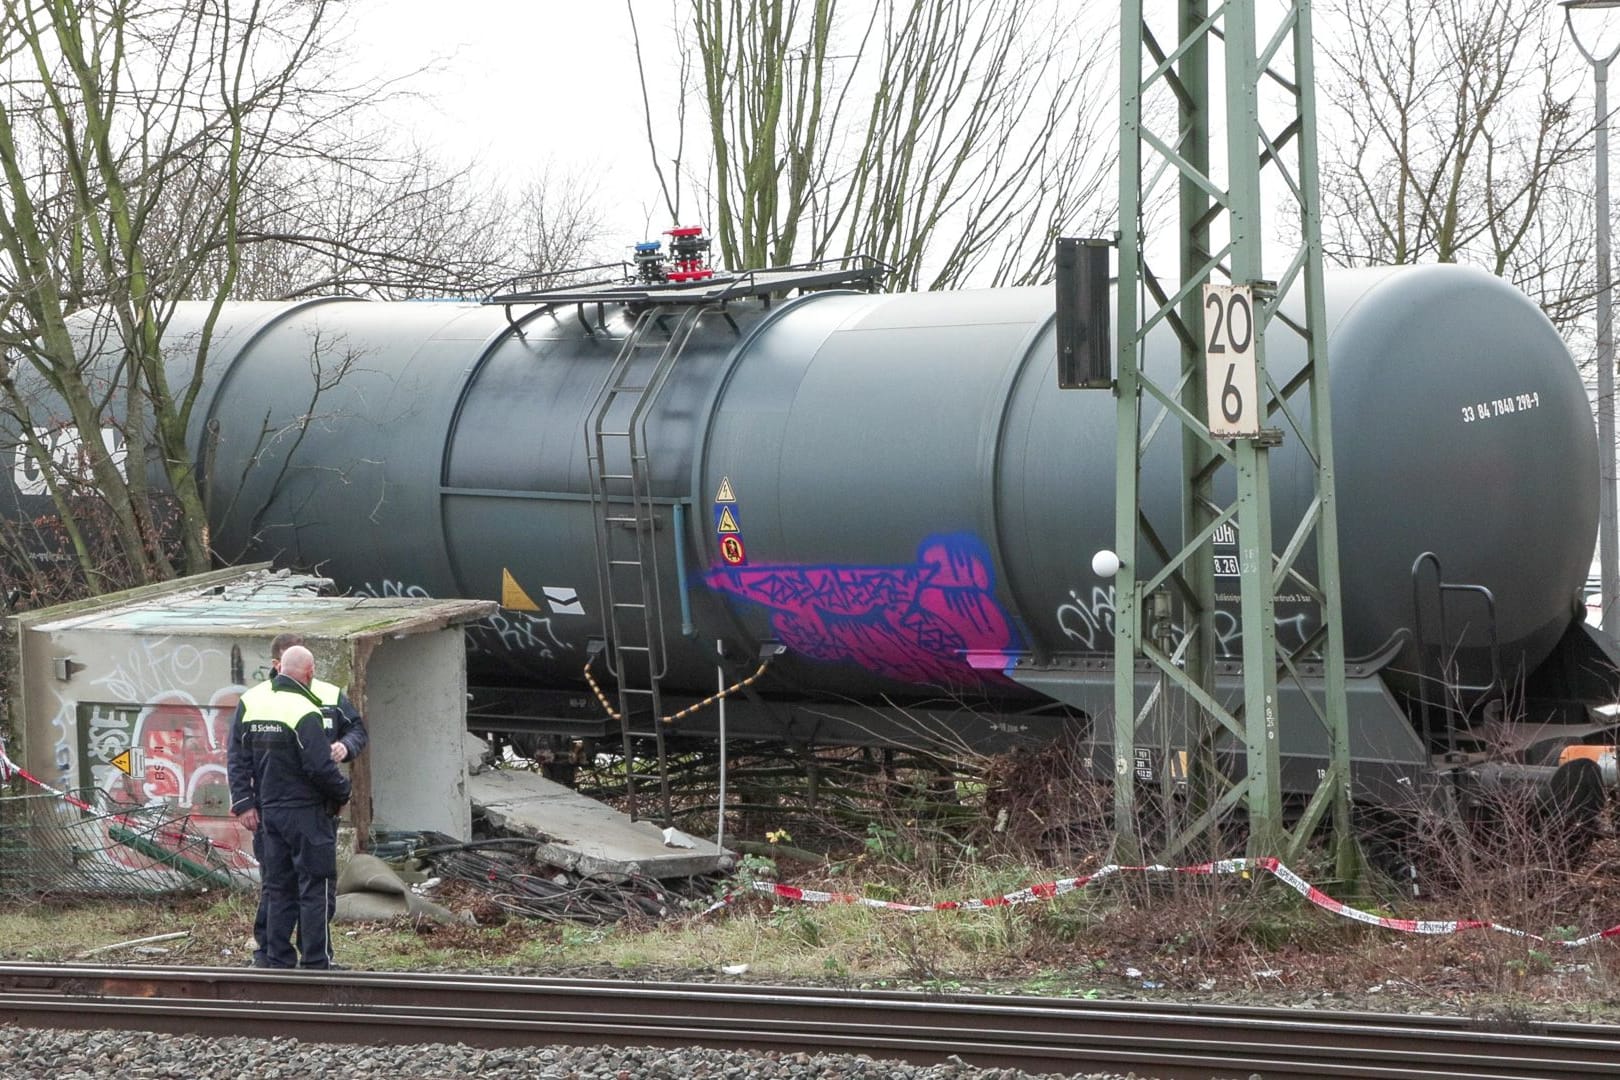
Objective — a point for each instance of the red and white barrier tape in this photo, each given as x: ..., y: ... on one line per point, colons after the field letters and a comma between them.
x: 9, y: 768
x: 1050, y: 889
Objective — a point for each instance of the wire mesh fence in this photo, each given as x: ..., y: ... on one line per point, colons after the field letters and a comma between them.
x: 87, y: 843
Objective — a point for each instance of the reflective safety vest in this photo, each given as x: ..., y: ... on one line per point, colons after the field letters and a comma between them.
x: 324, y: 692
x: 273, y: 711
x: 255, y: 694
x: 280, y: 758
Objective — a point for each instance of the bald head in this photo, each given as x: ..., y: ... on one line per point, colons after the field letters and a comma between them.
x: 298, y: 663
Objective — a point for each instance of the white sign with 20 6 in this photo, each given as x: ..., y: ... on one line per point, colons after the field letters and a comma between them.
x: 1231, y: 381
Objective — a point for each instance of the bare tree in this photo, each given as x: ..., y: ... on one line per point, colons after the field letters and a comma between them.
x: 374, y: 223
x: 157, y: 151
x: 1454, y: 137
x: 952, y: 139
x: 392, y: 223
x: 129, y: 131
x: 555, y: 223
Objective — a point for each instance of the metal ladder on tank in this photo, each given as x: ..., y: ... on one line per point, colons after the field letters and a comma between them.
x: 624, y: 518
x: 1432, y: 731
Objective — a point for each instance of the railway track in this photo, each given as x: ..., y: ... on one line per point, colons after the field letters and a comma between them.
x: 1034, y: 1034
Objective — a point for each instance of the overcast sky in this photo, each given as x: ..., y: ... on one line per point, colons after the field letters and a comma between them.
x: 520, y: 84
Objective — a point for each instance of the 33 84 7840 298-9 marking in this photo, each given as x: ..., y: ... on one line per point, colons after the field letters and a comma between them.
x: 1502, y: 406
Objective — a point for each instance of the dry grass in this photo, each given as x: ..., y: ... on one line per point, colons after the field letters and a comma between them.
x: 1229, y: 939
x: 1183, y: 937
x: 57, y: 929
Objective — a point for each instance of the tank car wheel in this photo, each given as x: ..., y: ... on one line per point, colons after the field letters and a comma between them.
x: 1572, y: 808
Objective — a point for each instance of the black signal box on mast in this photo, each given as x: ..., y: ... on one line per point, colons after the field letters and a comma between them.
x: 1085, y: 361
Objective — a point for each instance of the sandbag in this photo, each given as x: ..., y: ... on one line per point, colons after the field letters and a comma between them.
x: 370, y: 891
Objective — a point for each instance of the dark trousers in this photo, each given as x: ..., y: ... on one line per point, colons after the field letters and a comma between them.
x: 261, y: 916
x: 298, y: 868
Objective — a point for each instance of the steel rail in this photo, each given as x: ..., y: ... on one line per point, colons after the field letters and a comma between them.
x: 1035, y: 1034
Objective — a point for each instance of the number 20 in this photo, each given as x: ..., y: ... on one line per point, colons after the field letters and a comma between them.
x: 1227, y: 314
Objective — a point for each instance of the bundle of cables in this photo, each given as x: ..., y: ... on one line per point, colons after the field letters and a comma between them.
x: 506, y: 872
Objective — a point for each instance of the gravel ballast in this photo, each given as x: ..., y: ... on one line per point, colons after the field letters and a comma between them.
x: 26, y: 1054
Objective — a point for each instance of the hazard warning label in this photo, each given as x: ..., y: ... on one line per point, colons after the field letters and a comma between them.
x: 131, y: 762
x: 725, y: 494
x: 725, y: 520
x: 515, y: 597
x: 731, y: 550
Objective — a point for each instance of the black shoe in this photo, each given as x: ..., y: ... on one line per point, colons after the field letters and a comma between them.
x: 322, y: 967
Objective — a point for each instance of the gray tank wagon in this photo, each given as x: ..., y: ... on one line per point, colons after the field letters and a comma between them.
x: 890, y: 495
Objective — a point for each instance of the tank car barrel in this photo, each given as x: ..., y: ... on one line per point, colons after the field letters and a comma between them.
x: 891, y: 486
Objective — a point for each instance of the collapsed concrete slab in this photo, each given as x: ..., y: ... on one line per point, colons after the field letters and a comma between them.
x: 587, y: 837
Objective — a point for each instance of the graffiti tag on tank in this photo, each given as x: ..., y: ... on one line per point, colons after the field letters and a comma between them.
x: 65, y: 448
x: 504, y: 633
x: 1089, y: 622
x: 914, y: 623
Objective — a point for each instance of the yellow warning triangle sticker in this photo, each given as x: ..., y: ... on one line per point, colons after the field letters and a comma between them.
x: 512, y: 595
x: 121, y: 763
x: 728, y: 523
x: 725, y: 494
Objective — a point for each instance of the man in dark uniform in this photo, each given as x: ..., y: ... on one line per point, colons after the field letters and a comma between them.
x: 285, y: 785
x: 344, y: 725
x: 346, y: 730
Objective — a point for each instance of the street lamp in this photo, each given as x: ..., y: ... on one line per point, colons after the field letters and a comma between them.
x: 1608, y: 531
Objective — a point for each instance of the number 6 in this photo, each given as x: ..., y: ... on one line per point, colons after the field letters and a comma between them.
x: 1231, y: 397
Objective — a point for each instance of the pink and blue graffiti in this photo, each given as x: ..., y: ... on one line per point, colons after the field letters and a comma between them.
x: 917, y: 624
